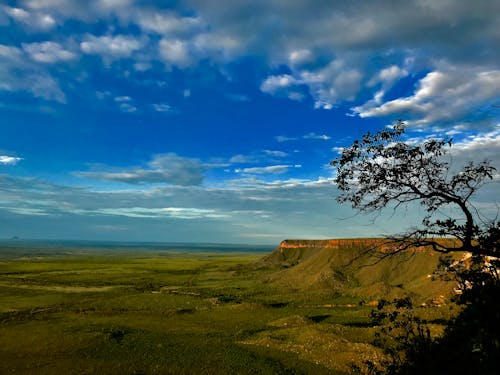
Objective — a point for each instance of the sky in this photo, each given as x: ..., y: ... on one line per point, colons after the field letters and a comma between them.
x: 215, y: 121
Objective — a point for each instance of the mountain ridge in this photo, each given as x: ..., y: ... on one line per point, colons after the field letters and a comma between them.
x: 348, y: 266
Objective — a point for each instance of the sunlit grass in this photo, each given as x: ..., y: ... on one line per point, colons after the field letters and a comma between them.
x: 174, y: 313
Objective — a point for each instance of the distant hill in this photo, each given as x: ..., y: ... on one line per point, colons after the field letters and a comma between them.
x: 344, y: 266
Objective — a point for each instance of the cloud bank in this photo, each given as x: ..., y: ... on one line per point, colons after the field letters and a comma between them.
x: 330, y: 53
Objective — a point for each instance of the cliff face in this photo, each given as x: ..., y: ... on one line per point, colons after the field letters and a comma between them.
x: 344, y: 266
x: 380, y: 244
x: 330, y: 244
x: 290, y: 252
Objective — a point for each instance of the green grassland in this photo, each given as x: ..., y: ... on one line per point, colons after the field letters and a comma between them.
x: 206, y: 313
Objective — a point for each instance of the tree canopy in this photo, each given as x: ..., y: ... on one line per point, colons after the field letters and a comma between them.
x: 382, y: 169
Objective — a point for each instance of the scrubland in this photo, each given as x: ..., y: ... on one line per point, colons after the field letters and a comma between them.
x: 164, y: 312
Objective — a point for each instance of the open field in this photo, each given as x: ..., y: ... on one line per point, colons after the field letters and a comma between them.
x: 179, y: 313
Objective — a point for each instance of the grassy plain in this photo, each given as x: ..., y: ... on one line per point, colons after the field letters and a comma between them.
x: 91, y: 312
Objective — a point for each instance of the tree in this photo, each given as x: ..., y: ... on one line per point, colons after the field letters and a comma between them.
x: 382, y: 169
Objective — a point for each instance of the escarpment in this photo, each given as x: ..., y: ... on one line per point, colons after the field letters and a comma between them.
x: 355, y: 267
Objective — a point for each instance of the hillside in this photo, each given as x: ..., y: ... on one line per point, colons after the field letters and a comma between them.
x: 343, y: 266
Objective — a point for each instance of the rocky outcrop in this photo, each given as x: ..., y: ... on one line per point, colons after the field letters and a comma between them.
x: 331, y: 243
x: 354, y: 267
x: 380, y: 244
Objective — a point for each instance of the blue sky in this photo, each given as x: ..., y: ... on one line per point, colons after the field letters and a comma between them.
x: 215, y: 121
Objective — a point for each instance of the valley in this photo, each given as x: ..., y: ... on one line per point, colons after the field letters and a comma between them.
x: 302, y: 309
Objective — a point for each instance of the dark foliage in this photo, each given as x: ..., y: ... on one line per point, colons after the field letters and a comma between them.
x: 470, y: 343
x: 381, y: 170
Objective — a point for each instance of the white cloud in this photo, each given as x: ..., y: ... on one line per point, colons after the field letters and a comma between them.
x: 337, y: 81
x: 163, y: 168
x: 219, y: 46
x: 284, y: 138
x: 112, y: 47
x: 313, y: 135
x: 44, y: 4
x: 329, y: 51
x: 175, y: 52
x: 275, y: 153
x: 16, y: 13
x: 10, y: 54
x: 478, y: 147
x: 283, y: 85
x: 299, y: 57
x: 387, y: 76
x: 251, y: 205
x: 275, y: 83
x: 142, y: 66
x: 9, y: 160
x: 123, y: 99
x: 114, y: 4
x: 128, y: 108
x: 273, y: 169
x: 48, y: 52
x: 257, y: 157
x: 441, y: 96
x: 166, y: 22
x: 162, y: 107
x: 326, y: 85
x: 125, y: 104
x: 158, y: 213
x: 18, y: 75
x: 243, y: 159
x: 36, y: 20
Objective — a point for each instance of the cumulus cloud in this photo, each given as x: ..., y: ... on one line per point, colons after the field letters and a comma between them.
x: 387, y: 76
x: 169, y: 213
x: 167, y: 22
x: 158, y: 213
x: 18, y: 75
x: 163, y: 168
x: 272, y: 169
x: 162, y: 107
x: 275, y: 153
x: 112, y: 47
x: 48, y: 52
x: 330, y: 51
x: 308, y: 136
x: 218, y: 46
x: 249, y: 206
x: 441, y: 97
x: 284, y: 86
x: 327, y: 85
x: 124, y: 98
x: 128, y: 108
x: 300, y: 57
x: 240, y: 158
x: 284, y: 138
x: 312, y: 135
x: 35, y: 20
x: 478, y: 147
x: 175, y: 52
x: 9, y: 160
x: 88, y: 11
x: 333, y: 83
x: 125, y: 104
x: 257, y: 157
x: 350, y: 44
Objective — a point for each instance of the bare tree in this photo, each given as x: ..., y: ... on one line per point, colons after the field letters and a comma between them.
x: 382, y: 169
